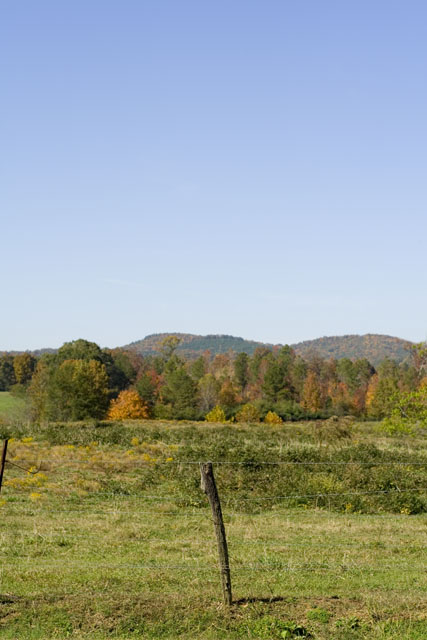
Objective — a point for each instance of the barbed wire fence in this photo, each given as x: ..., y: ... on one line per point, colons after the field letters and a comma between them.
x: 208, y: 485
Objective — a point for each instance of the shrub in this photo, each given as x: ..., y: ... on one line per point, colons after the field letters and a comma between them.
x: 216, y: 415
x: 319, y: 615
x: 127, y: 406
x: 332, y: 430
x: 271, y: 628
x: 409, y: 412
x: 289, y: 410
x: 273, y: 418
x: 248, y: 413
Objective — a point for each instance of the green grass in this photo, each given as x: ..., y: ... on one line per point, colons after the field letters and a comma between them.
x: 113, y: 539
x: 9, y: 403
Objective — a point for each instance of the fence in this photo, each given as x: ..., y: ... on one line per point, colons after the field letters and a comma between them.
x: 208, y: 485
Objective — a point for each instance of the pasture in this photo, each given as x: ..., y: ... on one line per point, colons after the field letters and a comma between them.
x: 110, y: 536
x: 9, y: 403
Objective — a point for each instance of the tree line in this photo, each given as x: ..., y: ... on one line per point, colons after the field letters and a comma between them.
x: 82, y: 381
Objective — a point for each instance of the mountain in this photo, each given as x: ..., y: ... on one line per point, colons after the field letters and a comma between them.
x: 374, y: 347
x: 192, y: 346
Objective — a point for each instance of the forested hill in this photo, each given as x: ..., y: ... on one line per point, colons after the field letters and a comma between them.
x: 193, y: 345
x: 371, y: 346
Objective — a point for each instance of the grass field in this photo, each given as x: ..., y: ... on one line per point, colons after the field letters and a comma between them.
x: 9, y: 403
x: 112, y: 537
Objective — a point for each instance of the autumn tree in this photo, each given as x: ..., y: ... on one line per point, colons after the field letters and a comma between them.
x: 312, y: 396
x: 419, y: 357
x: 228, y: 395
x: 39, y: 390
x: 341, y: 398
x: 24, y: 365
x: 208, y: 390
x: 116, y: 368
x: 248, y: 413
x: 216, y: 415
x: 272, y: 418
x: 169, y: 345
x: 127, y: 406
x: 221, y: 364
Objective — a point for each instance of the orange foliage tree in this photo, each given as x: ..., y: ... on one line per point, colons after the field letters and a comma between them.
x: 127, y: 406
x: 312, y: 396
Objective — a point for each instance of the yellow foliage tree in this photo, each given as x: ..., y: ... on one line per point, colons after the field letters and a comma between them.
x: 371, y: 390
x: 248, y: 413
x: 23, y: 366
x: 216, y: 415
x: 273, y: 418
x: 312, y: 396
x: 127, y: 406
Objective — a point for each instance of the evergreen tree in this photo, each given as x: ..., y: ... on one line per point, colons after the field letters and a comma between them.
x: 198, y: 368
x: 273, y: 383
x: 7, y: 373
x: 146, y: 388
x: 241, y: 370
x: 180, y: 391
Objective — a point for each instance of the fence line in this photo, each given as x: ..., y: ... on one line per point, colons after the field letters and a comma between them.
x: 257, y: 566
x: 286, y: 462
x: 271, y: 542
x: 32, y: 471
x: 334, y: 495
x: 241, y: 514
x: 152, y: 463
x: 291, y: 496
x: 287, y: 566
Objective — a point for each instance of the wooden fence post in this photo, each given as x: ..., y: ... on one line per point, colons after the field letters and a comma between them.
x: 3, y: 461
x: 209, y: 487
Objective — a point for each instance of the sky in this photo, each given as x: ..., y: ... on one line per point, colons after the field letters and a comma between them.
x: 246, y: 167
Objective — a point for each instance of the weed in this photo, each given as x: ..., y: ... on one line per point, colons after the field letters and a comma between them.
x: 319, y: 615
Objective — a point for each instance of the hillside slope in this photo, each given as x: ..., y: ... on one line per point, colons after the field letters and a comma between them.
x: 371, y: 346
x: 194, y: 345
x: 374, y: 347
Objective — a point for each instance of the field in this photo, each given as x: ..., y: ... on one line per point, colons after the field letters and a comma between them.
x: 9, y: 403
x: 110, y: 536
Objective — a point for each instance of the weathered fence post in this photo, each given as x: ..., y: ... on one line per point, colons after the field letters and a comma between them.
x: 3, y: 461
x: 209, y: 487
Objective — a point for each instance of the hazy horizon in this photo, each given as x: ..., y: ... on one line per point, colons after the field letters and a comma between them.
x: 251, y: 339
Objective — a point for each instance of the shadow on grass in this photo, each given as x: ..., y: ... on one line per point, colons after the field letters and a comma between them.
x: 263, y: 600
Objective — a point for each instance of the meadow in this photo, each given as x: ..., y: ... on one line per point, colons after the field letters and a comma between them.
x: 110, y: 536
x: 9, y: 403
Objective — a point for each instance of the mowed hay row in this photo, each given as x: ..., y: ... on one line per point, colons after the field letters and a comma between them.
x: 110, y: 535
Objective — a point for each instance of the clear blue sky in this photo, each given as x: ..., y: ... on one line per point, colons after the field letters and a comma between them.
x: 256, y: 168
